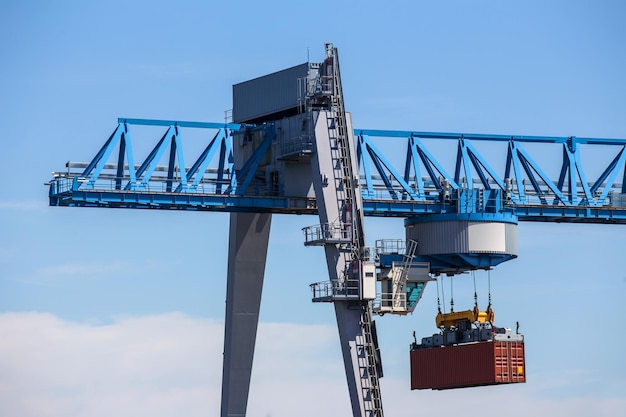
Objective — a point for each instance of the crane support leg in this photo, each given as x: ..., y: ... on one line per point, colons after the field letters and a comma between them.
x: 247, y: 251
x: 350, y: 336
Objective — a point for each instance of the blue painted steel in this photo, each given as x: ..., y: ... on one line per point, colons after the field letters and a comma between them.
x: 61, y: 194
x: 97, y: 164
x: 503, y: 217
x: 421, y: 185
x: 486, y: 137
x: 519, y: 163
x: 380, y: 162
x: 415, y: 145
x: 246, y: 173
x: 610, y: 173
x: 146, y: 169
x: 167, y: 123
x: 201, y: 164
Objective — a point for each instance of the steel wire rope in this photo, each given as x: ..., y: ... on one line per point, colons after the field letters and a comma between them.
x: 452, y: 294
x: 475, y: 294
x: 489, y: 285
x: 443, y: 296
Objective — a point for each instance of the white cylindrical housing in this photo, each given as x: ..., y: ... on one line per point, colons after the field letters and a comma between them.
x: 480, y: 239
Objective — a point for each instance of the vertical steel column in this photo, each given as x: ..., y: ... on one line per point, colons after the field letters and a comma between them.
x: 247, y: 251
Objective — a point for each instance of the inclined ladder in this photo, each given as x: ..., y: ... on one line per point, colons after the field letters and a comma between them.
x: 400, y: 297
x: 352, y: 221
x: 342, y: 159
x: 372, y: 401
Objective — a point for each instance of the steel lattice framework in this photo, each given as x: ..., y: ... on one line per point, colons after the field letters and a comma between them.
x: 418, y: 184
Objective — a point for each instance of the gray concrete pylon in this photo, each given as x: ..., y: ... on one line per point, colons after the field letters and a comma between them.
x: 247, y: 253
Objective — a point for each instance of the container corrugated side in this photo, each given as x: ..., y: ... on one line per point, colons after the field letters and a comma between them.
x: 468, y: 365
x: 510, y: 364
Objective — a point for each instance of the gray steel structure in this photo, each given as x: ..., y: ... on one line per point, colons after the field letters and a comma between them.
x: 315, y: 155
x: 271, y: 96
x: 247, y: 249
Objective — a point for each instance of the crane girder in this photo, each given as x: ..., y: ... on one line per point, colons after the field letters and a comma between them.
x: 502, y: 177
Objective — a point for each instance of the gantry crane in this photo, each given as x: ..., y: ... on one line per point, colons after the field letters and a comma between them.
x: 291, y: 149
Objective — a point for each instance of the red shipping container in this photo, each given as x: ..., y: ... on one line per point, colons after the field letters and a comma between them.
x: 468, y: 365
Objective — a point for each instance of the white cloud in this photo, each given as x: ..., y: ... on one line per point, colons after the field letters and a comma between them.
x: 495, y: 401
x: 150, y: 365
x: 170, y: 365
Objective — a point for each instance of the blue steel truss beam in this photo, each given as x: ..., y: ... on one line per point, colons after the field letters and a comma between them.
x: 211, y: 183
x: 416, y: 147
x: 610, y: 173
x: 383, y: 167
x: 97, y: 164
x: 146, y: 169
x: 246, y: 173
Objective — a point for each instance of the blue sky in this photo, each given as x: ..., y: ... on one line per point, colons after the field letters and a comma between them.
x: 121, y: 311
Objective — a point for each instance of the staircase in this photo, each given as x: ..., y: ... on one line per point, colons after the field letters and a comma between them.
x: 397, y: 296
x: 399, y: 287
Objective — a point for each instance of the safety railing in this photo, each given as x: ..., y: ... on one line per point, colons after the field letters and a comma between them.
x: 334, y: 233
x: 390, y: 302
x: 388, y: 246
x: 301, y: 145
x: 325, y: 291
x: 525, y: 195
x: 66, y: 184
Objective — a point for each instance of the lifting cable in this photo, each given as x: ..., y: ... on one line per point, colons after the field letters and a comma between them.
x: 475, y: 294
x: 438, y: 300
x: 443, y: 296
x: 489, y: 309
x: 489, y: 285
x: 452, y: 294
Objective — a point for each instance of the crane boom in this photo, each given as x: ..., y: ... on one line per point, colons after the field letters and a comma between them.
x: 418, y: 183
